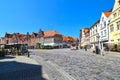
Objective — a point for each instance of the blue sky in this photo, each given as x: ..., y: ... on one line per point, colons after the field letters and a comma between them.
x: 65, y: 16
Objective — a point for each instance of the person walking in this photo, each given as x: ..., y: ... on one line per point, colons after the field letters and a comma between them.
x: 97, y: 50
x: 85, y: 48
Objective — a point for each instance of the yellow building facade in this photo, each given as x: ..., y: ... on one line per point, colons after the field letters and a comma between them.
x: 114, y: 24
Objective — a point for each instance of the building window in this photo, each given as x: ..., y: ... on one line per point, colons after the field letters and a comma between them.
x: 111, y: 28
x: 105, y: 33
x: 102, y: 19
x: 104, y: 24
x: 94, y: 38
x: 118, y: 25
x: 118, y: 40
x: 115, y: 14
x: 93, y: 32
x: 119, y: 12
x: 101, y: 33
x: 101, y: 26
x: 112, y: 40
x: 96, y: 26
x: 0, y: 41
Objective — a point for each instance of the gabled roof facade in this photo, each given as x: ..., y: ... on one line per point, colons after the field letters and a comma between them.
x: 50, y: 33
x: 8, y: 35
x: 107, y: 14
x: 95, y: 24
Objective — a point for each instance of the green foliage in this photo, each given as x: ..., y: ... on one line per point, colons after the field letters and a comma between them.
x: 38, y: 45
x: 2, y: 53
x: 19, y: 52
x: 14, y: 50
x: 48, y: 47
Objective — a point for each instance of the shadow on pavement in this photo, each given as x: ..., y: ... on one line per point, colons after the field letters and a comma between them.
x: 7, y: 57
x: 12, y: 70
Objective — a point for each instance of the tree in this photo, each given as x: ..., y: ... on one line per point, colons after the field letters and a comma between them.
x: 38, y: 45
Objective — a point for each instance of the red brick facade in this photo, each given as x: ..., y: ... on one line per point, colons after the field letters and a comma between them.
x: 48, y: 37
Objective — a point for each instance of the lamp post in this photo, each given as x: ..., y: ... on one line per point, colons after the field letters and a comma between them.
x: 98, y: 36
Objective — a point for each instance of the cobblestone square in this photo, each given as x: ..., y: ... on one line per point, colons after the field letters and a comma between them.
x: 78, y: 64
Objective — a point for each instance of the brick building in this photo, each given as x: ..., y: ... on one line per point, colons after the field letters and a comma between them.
x: 47, y: 38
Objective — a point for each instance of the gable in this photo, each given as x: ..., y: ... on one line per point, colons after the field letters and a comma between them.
x: 50, y: 33
x: 107, y: 14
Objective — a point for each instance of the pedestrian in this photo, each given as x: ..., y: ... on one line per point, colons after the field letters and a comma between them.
x: 85, y: 48
x: 28, y: 54
x: 97, y: 50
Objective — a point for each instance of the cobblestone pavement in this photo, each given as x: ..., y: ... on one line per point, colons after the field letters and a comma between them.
x: 81, y: 65
x: 54, y: 72
x: 20, y: 68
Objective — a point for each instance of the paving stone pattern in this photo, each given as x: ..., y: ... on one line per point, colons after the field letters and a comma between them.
x: 82, y: 65
x: 53, y: 71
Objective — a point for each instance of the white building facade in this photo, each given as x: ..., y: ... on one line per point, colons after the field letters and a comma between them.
x: 83, y: 38
x: 94, y: 31
x: 104, y: 29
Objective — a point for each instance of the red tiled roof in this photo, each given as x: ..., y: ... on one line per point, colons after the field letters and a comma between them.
x: 67, y: 39
x: 86, y: 30
x: 50, y: 33
x: 107, y: 14
x: 75, y: 39
x: 70, y: 39
x: 20, y: 36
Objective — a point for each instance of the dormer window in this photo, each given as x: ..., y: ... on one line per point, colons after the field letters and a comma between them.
x: 119, y: 2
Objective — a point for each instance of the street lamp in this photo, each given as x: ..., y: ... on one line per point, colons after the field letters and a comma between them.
x: 98, y: 36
